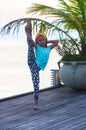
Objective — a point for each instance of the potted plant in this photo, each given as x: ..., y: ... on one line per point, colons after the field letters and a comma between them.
x: 70, y: 24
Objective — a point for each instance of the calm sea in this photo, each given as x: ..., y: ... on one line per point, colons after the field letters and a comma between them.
x: 15, y: 76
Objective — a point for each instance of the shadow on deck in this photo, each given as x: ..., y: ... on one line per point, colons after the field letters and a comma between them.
x: 60, y: 109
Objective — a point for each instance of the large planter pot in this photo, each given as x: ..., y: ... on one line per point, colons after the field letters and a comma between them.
x: 73, y: 74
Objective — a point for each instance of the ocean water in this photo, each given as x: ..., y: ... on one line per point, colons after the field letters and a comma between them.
x: 15, y: 77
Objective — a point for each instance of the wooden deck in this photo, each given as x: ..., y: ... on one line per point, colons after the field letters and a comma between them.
x: 60, y: 109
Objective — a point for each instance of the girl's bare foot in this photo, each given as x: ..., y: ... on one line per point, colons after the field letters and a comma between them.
x: 36, y: 107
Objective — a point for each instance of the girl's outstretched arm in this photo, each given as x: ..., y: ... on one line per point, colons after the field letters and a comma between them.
x: 54, y: 43
x: 27, y: 28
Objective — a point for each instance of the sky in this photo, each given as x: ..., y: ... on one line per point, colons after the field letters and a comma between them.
x: 13, y: 9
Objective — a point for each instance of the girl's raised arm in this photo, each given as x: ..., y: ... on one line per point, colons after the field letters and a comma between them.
x: 54, y: 43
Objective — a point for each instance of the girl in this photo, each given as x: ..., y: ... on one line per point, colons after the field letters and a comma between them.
x: 38, y: 62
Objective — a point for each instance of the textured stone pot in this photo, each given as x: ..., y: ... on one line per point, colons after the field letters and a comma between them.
x: 73, y: 74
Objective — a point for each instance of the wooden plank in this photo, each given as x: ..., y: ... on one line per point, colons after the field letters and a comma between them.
x: 60, y: 109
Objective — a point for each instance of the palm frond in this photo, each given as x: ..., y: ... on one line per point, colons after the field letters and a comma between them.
x: 65, y: 14
x: 42, y: 10
x: 14, y: 26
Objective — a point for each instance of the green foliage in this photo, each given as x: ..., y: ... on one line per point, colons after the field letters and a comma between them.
x: 73, y: 58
